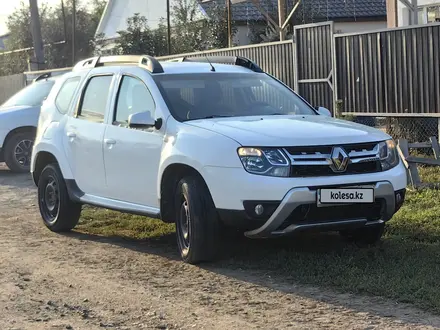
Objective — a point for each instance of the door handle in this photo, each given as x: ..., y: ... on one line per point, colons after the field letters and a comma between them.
x: 110, y: 141
x: 71, y: 135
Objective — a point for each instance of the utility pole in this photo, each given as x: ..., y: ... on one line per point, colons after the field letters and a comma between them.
x: 73, y: 31
x: 229, y: 13
x: 37, y: 62
x: 169, y: 27
x: 282, y: 17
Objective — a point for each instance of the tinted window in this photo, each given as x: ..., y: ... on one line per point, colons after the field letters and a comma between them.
x: 133, y: 97
x: 195, y: 96
x: 95, y: 97
x: 65, y: 94
x: 32, y: 95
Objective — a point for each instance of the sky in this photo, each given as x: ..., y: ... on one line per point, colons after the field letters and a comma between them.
x: 8, y: 6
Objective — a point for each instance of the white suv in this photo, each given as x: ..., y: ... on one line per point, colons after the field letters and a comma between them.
x: 207, y: 146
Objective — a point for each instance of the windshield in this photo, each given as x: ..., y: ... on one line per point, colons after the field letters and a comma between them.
x: 32, y: 95
x: 210, y: 95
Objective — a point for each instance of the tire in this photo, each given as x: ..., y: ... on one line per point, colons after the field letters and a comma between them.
x: 58, y: 212
x: 197, y: 222
x: 366, y: 236
x: 18, y: 152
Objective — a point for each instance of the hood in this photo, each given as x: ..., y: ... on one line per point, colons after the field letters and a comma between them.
x: 18, y: 116
x: 278, y: 131
x: 16, y: 108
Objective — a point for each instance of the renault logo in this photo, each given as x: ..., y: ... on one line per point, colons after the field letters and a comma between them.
x: 339, y: 159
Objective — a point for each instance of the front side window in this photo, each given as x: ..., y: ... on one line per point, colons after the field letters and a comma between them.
x: 208, y: 95
x: 64, y: 97
x: 133, y: 97
x: 32, y: 95
x: 94, y: 101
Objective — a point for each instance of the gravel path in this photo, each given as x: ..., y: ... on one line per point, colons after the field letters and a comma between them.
x: 76, y: 281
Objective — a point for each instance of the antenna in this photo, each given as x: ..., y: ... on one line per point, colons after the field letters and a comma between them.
x: 212, y: 67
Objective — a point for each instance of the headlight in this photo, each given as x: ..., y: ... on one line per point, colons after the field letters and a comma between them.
x: 264, y: 161
x: 389, y: 157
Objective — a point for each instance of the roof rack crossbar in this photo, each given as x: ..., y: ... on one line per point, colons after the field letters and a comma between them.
x: 146, y: 61
x: 234, y: 60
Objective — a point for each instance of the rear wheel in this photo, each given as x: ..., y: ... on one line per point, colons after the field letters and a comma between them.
x: 197, y: 223
x: 369, y: 235
x: 59, y: 213
x: 18, y: 151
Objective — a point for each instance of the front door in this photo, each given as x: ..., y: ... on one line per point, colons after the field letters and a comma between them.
x: 84, y: 133
x: 132, y: 156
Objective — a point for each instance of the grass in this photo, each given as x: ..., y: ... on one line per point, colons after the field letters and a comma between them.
x: 404, y: 267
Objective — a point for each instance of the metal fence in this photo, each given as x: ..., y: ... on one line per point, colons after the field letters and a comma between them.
x: 314, y: 63
x: 9, y: 85
x: 393, y: 72
x: 275, y: 58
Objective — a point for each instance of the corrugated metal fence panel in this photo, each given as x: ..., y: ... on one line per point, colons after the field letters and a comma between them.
x: 275, y: 58
x: 314, y: 55
x: 390, y: 72
x: 9, y: 85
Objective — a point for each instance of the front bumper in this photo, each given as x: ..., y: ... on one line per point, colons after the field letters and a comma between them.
x: 298, y: 197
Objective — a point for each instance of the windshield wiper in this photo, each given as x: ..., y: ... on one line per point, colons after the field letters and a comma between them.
x: 215, y: 116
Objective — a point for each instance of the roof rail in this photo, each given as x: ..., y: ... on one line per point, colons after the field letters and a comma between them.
x: 234, y: 60
x: 43, y: 76
x: 146, y: 61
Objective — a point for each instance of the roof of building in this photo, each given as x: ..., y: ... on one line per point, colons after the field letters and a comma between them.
x: 315, y: 9
x: 3, y: 37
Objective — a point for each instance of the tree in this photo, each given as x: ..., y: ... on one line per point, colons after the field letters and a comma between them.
x: 217, y: 27
x: 52, y: 29
x: 138, y: 38
x: 189, y: 34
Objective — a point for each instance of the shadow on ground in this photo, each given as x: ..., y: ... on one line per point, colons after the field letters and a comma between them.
x: 9, y: 178
x: 395, y: 269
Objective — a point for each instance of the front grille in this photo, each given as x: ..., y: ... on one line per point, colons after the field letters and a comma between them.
x: 311, y: 213
x: 325, y: 170
x: 312, y: 161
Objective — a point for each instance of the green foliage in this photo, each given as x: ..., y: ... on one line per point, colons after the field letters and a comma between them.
x: 217, y: 28
x: 53, y: 31
x: 190, y: 31
x: 138, y: 38
x: 188, y: 27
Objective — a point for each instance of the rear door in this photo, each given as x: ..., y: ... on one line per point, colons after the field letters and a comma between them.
x: 84, y: 132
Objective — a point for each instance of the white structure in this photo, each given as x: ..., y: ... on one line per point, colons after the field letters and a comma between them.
x: 428, y: 11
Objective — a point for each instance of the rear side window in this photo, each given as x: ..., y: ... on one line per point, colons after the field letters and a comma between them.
x: 64, y: 97
x: 95, y: 98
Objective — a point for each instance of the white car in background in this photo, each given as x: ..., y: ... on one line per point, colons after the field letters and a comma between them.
x: 18, y: 123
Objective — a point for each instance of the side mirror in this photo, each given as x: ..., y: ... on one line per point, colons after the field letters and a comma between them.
x: 141, y: 120
x: 324, y: 112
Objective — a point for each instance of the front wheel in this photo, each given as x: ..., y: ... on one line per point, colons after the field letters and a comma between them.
x: 18, y: 152
x: 59, y: 213
x: 197, y: 223
x: 369, y: 235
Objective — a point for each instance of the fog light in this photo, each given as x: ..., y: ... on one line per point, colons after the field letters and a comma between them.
x: 259, y: 209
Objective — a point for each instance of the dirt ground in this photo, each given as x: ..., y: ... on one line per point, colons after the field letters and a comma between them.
x: 77, y: 281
